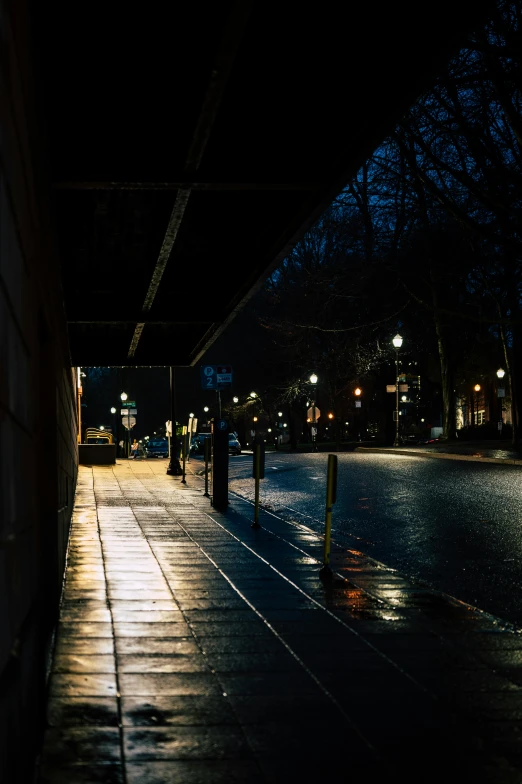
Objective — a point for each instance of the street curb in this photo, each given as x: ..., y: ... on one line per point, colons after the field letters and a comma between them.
x: 440, y: 455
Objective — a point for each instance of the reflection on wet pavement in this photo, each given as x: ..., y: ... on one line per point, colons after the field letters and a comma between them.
x: 190, y: 645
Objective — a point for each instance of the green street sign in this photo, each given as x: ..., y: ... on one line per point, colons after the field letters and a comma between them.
x: 128, y: 404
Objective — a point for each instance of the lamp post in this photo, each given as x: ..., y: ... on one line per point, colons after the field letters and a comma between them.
x: 358, y: 392
x: 330, y: 418
x: 80, y: 391
x: 254, y: 397
x: 477, y: 390
x: 123, y: 398
x: 313, y: 382
x: 279, y: 435
x: 188, y: 438
x: 500, y: 394
x: 115, y: 427
x: 397, y: 342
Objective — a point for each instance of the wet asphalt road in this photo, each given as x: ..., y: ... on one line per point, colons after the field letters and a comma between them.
x: 456, y: 526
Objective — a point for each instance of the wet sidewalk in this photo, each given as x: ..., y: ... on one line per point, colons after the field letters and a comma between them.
x: 195, y: 649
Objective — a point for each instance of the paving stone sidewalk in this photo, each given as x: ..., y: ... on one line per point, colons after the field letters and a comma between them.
x: 193, y: 648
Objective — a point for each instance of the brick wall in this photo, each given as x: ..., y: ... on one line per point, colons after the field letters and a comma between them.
x: 38, y: 414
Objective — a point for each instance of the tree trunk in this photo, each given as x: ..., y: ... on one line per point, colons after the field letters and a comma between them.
x: 447, y: 376
x: 449, y: 412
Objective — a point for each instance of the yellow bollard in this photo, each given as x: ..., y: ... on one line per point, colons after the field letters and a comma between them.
x: 331, y: 491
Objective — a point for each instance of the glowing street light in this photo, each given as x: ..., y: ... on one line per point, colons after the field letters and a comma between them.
x: 123, y: 398
x: 397, y: 342
x: 358, y: 405
x: 257, y: 407
x: 477, y: 389
x: 313, y: 381
x: 115, y: 428
x: 500, y: 394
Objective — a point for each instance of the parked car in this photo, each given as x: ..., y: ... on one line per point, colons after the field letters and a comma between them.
x: 157, y: 448
x: 417, y: 439
x: 234, y: 447
x: 411, y: 438
x: 197, y: 444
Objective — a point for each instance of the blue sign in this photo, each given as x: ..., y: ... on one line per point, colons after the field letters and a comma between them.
x: 208, y: 377
x: 222, y: 424
x: 216, y: 376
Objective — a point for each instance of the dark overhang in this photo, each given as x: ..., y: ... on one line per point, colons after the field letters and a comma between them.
x: 191, y: 145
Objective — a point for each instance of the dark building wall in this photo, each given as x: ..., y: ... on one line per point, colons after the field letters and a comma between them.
x: 38, y: 414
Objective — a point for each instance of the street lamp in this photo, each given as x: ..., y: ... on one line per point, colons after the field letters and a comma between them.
x: 192, y: 424
x: 358, y: 392
x: 254, y: 398
x: 500, y: 394
x: 123, y: 398
x: 115, y: 428
x: 313, y: 382
x: 397, y: 342
x: 477, y: 389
